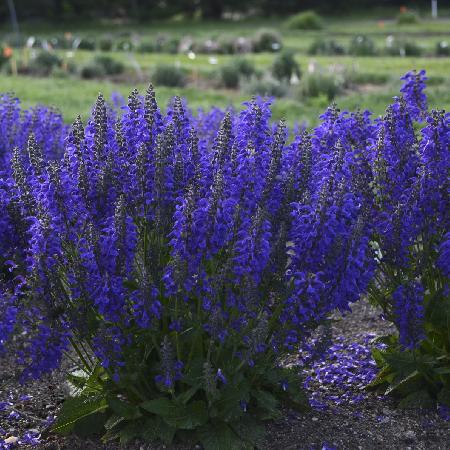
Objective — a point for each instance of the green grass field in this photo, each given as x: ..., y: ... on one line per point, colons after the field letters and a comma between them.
x: 73, y: 95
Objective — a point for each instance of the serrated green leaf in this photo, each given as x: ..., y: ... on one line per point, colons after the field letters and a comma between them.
x: 403, y: 383
x: 444, y: 396
x: 90, y: 425
x: 418, y: 399
x: 113, y: 421
x: 219, y: 437
x: 124, y: 409
x: 187, y: 395
x: 188, y: 417
x: 267, y: 402
x: 250, y: 430
x: 228, y: 407
x: 160, y: 406
x: 76, y: 408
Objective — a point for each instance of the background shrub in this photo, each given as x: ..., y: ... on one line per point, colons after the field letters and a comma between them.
x: 168, y: 75
x: 407, y: 18
x: 266, y: 40
x: 266, y: 86
x: 91, y: 70
x: 285, y: 66
x: 44, y: 63
x: 442, y: 48
x: 326, y: 47
x: 105, y: 44
x: 307, y: 20
x: 362, y: 46
x: 110, y: 65
x: 87, y: 43
x: 320, y: 83
x: 401, y: 47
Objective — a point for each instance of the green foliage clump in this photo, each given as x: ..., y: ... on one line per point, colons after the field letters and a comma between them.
x: 87, y: 43
x: 105, y: 44
x: 326, y: 47
x: 110, y: 65
x: 401, y: 47
x: 407, y: 18
x: 267, y: 40
x: 146, y: 47
x: 285, y: 66
x: 44, y: 63
x: 320, y: 83
x: 101, y: 66
x: 266, y: 87
x: 232, y: 73
x: 307, y: 20
x: 362, y: 46
x: 169, y: 75
x: 442, y: 48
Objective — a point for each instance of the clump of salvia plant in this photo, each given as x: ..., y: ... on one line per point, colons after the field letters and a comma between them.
x: 411, y: 189
x: 182, y: 259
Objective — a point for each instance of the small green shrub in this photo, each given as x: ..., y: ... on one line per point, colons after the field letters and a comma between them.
x: 400, y: 47
x: 267, y: 40
x: 245, y: 67
x: 285, y: 66
x: 44, y: 63
x: 442, y: 49
x: 110, y: 65
x: 230, y: 76
x: 317, y: 84
x: 362, y: 46
x: 326, y: 47
x: 124, y: 45
x: 105, y: 44
x: 407, y: 18
x: 87, y: 43
x: 168, y: 75
x: 307, y: 20
x: 166, y: 44
x: 92, y: 70
x: 146, y: 47
x: 265, y: 87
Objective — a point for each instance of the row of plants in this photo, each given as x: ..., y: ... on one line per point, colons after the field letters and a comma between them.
x: 283, y: 79
x: 180, y: 259
x: 362, y: 45
x: 263, y: 40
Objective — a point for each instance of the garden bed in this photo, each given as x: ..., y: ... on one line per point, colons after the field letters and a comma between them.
x: 344, y: 415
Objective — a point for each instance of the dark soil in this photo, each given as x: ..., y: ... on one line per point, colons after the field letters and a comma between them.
x: 370, y: 422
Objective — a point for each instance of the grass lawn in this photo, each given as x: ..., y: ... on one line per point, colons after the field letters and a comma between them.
x: 73, y: 95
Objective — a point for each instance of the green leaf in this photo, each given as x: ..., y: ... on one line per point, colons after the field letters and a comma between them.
x: 187, y: 395
x: 228, y: 407
x: 250, y: 430
x: 219, y: 437
x: 444, y: 396
x: 90, y: 425
x: 405, y: 384
x: 130, y: 431
x: 76, y: 408
x: 188, y: 417
x: 113, y: 421
x: 177, y: 415
x: 268, y: 402
x: 124, y: 409
x: 160, y: 406
x: 418, y: 399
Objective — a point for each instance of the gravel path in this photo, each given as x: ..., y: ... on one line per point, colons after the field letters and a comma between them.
x: 344, y: 415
